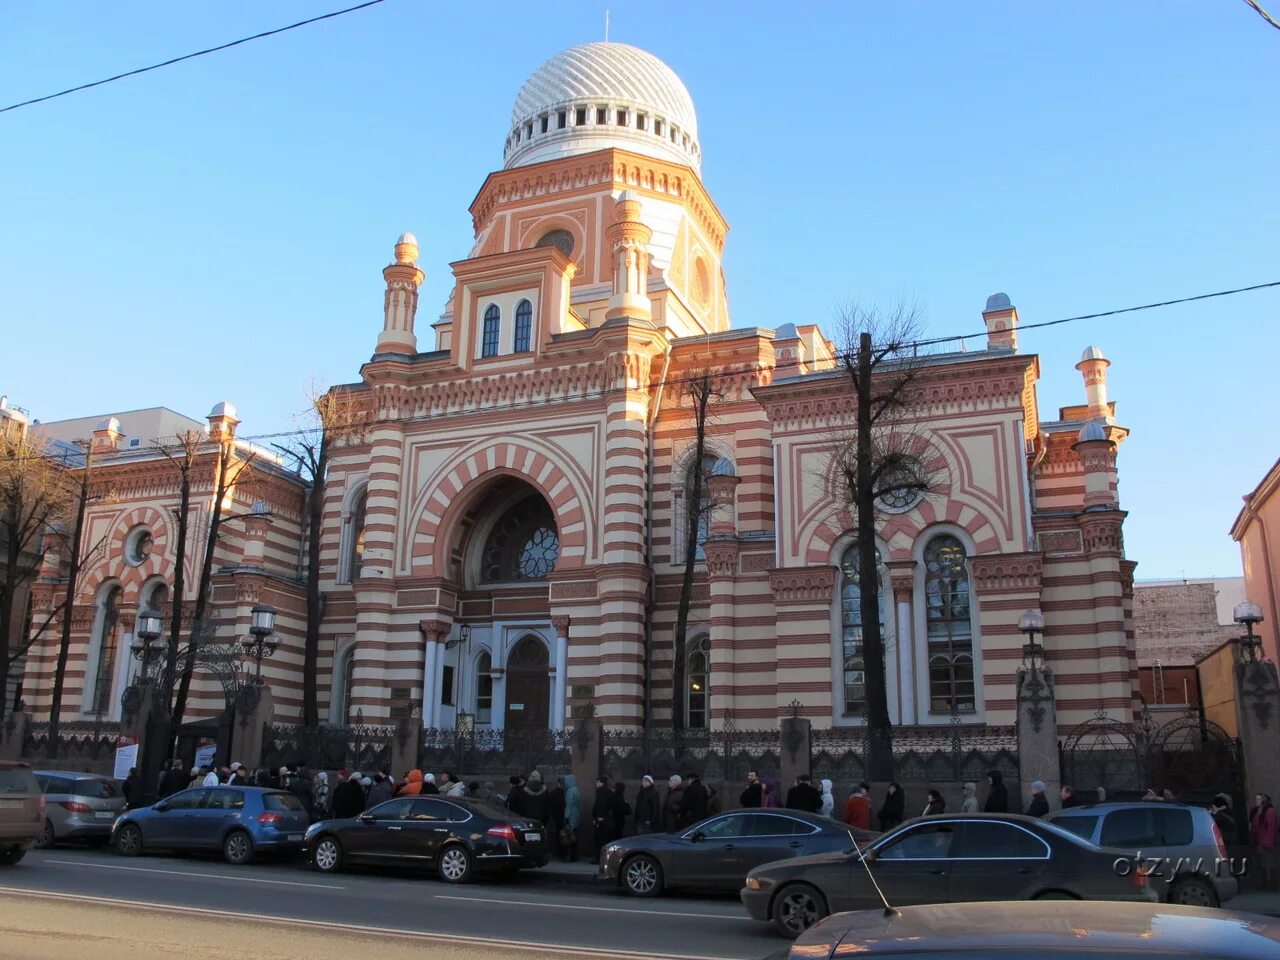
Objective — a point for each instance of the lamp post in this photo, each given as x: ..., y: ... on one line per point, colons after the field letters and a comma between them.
x: 1249, y: 613
x: 146, y: 641
x: 463, y: 639
x: 259, y: 643
x: 1031, y: 623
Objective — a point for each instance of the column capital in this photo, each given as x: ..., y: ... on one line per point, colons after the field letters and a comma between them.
x: 561, y: 625
x: 902, y: 578
x: 722, y: 558
x: 433, y: 631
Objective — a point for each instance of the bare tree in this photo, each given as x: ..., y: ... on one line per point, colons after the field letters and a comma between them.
x: 227, y: 472
x: 701, y: 390
x: 879, y: 461
x: 182, y: 451
x: 35, y: 497
x: 333, y: 417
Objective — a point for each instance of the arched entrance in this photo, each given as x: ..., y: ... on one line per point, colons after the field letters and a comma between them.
x: 528, y: 686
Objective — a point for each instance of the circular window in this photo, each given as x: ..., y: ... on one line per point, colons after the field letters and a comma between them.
x: 561, y: 239
x: 901, y: 488
x: 138, y: 546
x: 523, y: 544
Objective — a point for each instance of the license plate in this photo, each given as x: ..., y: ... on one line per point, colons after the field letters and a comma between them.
x: 533, y: 837
x: 10, y: 804
x: 104, y: 815
x: 295, y: 837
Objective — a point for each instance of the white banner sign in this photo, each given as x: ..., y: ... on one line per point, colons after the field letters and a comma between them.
x: 126, y: 757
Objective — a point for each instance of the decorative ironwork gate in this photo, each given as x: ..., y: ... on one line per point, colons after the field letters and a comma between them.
x: 955, y: 753
x: 724, y: 754
x: 1105, y: 753
x: 1195, y: 759
x: 362, y: 746
x: 495, y: 753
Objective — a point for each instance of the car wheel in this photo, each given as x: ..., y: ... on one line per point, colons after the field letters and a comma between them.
x: 642, y: 876
x: 129, y: 840
x: 1193, y: 893
x: 46, y: 839
x: 455, y: 864
x: 11, y: 855
x: 326, y: 855
x: 237, y: 848
x: 797, y: 908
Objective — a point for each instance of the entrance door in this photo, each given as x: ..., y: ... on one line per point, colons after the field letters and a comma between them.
x: 528, y: 686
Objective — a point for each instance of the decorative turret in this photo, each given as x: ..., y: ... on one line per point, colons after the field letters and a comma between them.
x: 789, y: 354
x: 256, y: 526
x: 1001, y: 318
x: 629, y: 241
x: 1097, y: 452
x: 106, y: 436
x: 400, y: 306
x: 223, y: 421
x: 721, y: 484
x: 1093, y: 367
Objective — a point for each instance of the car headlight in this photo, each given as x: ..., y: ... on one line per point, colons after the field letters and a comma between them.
x: 753, y: 883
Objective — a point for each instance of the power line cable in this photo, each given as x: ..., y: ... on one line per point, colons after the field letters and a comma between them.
x: 1263, y: 13
x: 191, y: 56
x: 601, y: 394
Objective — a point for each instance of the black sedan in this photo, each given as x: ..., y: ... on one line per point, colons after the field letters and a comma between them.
x: 1015, y: 931
x: 943, y: 859
x: 717, y: 853
x: 455, y: 837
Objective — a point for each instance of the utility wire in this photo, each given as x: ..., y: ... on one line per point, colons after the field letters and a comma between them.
x: 904, y: 348
x: 1263, y: 13
x: 190, y: 56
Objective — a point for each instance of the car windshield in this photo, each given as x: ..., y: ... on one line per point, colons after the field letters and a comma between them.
x: 17, y: 781
x: 281, y: 801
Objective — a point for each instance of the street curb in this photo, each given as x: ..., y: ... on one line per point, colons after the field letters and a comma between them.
x: 565, y: 876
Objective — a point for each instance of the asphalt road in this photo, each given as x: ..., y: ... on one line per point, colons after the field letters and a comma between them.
x: 77, y: 903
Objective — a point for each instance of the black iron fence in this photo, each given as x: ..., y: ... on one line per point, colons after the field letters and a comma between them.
x: 949, y: 753
x: 78, y: 741
x: 362, y: 746
x: 723, y: 754
x: 495, y: 753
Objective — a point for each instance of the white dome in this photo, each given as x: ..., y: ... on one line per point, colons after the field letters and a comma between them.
x: 656, y: 111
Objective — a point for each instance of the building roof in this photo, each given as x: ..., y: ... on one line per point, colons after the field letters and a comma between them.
x: 1265, y: 488
x: 613, y: 76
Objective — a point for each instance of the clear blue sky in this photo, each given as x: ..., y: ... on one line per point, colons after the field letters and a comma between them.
x: 216, y: 230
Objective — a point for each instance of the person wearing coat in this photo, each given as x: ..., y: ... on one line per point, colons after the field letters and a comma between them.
x: 753, y: 795
x: 1263, y: 829
x: 1039, y: 804
x: 671, y: 805
x: 970, y: 802
x: 380, y: 791
x: 893, y: 808
x: 803, y: 796
x: 693, y: 805
x: 621, y: 810
x: 857, y: 809
x: 648, y: 810
x: 537, y: 800
x: 935, y: 805
x: 997, y: 794
x: 828, y: 799
x: 348, y: 798
x: 572, y: 816
x: 132, y: 789
x: 319, y: 797
x: 412, y: 785
x: 172, y: 780
x: 601, y: 816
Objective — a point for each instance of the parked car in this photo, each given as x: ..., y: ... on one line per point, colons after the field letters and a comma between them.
x: 1184, y: 839
x: 717, y: 853
x: 937, y: 860
x: 21, y: 811
x: 1046, y: 931
x: 455, y: 837
x: 78, y: 806
x: 239, y: 821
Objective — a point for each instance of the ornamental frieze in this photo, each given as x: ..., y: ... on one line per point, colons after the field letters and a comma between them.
x: 573, y: 589
x: 1061, y: 543
x: 1006, y: 572
x: 804, y: 585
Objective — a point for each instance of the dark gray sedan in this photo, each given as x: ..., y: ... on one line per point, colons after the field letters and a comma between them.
x: 1045, y: 931
x: 943, y: 859
x: 717, y: 853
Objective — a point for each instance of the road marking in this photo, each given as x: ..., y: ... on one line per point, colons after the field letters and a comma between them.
x: 542, y: 904
x: 199, y: 876
x: 558, y: 950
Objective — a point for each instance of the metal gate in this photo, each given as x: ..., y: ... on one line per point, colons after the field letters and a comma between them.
x: 1105, y: 754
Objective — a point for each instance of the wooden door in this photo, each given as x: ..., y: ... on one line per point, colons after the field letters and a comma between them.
x: 528, y: 686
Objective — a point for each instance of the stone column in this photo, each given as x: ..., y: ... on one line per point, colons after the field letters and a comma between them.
x: 802, y: 604
x: 796, y: 756
x: 1258, y: 720
x: 586, y: 759
x: 406, y: 744
x: 254, y: 545
x: 13, y: 731
x: 1037, y: 732
x: 434, y: 636
x: 560, y: 691
x: 722, y: 569
x: 254, y: 709
x: 902, y: 579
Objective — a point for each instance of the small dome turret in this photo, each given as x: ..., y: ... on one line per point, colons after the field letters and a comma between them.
x: 998, y: 301
x: 1093, y: 430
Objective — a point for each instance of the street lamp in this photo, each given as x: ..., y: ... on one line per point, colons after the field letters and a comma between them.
x: 1032, y: 623
x: 259, y: 643
x: 1249, y: 613
x: 146, y: 640
x: 463, y: 639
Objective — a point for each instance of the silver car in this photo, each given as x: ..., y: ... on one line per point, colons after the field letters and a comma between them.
x: 1180, y: 845
x: 78, y: 806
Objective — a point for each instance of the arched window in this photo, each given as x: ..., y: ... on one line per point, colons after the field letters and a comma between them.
x: 559, y: 238
x: 107, y: 640
x: 492, y: 326
x: 523, y: 544
x: 703, y: 513
x: 948, y: 627
x: 484, y: 689
x: 355, y: 535
x: 698, y: 696
x: 340, y: 695
x: 156, y: 597
x: 524, y: 325
x: 851, y: 655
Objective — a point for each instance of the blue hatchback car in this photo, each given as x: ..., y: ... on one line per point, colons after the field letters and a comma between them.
x: 239, y: 821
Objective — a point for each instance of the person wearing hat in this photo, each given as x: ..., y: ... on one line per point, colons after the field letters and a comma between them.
x: 237, y: 777
x: 1039, y: 805
x: 648, y: 808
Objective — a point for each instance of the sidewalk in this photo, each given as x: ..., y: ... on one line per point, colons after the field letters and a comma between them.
x: 581, y: 871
